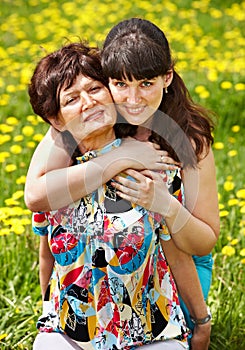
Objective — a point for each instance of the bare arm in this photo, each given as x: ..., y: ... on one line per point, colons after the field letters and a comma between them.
x: 194, y: 229
x: 52, y: 184
x: 46, y: 264
x: 188, y: 284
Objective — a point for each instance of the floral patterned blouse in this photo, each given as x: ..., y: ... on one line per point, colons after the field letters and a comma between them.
x: 112, y: 287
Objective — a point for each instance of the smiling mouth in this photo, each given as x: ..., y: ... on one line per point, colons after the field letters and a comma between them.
x: 94, y: 116
x: 135, y: 110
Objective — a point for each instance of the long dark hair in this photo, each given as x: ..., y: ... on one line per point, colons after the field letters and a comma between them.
x: 136, y: 48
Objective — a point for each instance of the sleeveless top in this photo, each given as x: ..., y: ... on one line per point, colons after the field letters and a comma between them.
x: 111, y: 287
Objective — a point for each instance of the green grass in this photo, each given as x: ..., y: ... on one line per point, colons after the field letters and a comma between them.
x: 207, y: 39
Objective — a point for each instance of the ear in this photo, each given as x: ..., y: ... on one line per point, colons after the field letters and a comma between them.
x: 168, y: 77
x: 55, y: 122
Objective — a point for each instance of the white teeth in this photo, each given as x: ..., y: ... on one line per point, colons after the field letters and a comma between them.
x: 135, y: 110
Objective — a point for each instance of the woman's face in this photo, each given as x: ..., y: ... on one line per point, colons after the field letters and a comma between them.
x: 137, y: 100
x: 87, y: 111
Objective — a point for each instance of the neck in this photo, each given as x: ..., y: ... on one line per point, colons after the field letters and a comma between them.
x: 97, y: 141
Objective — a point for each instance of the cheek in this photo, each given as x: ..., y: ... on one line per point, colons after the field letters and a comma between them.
x: 116, y: 94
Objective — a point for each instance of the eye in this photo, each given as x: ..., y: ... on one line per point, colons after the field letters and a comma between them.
x: 147, y: 83
x: 69, y: 100
x: 120, y: 84
x: 95, y: 89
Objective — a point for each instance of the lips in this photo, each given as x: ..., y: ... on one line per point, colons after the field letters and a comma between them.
x: 93, y: 115
x: 135, y: 110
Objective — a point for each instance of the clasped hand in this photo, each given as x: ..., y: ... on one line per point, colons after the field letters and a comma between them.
x: 145, y: 188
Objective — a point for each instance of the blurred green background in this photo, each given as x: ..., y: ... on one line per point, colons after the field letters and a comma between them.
x: 207, y: 41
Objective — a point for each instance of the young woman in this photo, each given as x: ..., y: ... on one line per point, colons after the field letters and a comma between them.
x: 137, y: 59
x: 113, y: 288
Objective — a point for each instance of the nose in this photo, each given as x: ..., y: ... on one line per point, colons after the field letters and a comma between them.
x: 87, y: 101
x: 133, y: 96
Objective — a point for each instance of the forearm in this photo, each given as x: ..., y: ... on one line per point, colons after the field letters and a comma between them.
x: 185, y: 275
x: 46, y: 264
x: 189, y: 232
x: 60, y: 187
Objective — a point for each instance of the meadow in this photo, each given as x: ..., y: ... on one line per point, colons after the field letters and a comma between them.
x: 207, y: 40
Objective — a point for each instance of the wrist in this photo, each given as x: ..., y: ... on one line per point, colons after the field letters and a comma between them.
x: 202, y: 321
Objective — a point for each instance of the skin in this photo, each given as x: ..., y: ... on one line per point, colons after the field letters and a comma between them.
x: 137, y: 100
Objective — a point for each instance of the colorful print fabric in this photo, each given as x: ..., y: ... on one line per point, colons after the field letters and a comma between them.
x: 112, y: 287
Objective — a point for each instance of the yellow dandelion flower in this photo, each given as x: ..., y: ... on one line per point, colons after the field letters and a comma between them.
x: 11, y: 88
x: 240, y: 87
x: 5, y: 128
x: 229, y: 186
x: 232, y: 202
x: 199, y: 89
x: 18, y: 194
x: 231, y: 139
x: 242, y: 223
x: 12, y: 121
x: 5, y: 231
x: 241, y: 193
x: 212, y: 75
x: 18, y: 229
x: 16, y: 149
x: 234, y: 241
x: 243, y: 261
x: 10, y: 168
x: 223, y: 213
x: 11, y: 201
x: 3, y: 156
x: 228, y: 250
x: 242, y: 252
x: 4, y: 138
x: 242, y: 210
x: 228, y: 238
x: 232, y: 153
x: 18, y: 138
x: 218, y: 145
x: 205, y: 94
x: 215, y: 13
x: 21, y: 180
x: 2, y: 336
x: 226, y: 85
x: 25, y: 221
x: 221, y: 206
x: 242, y: 231
x: 38, y: 137
x: 4, y: 99
x: 235, y: 128
x: 229, y: 177
x: 27, y: 130
x: 31, y: 144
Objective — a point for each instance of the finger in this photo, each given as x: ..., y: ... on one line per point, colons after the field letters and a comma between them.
x: 154, y: 145
x: 164, y: 158
x: 125, y: 189
x: 136, y: 174
x: 132, y: 184
x: 153, y: 175
x: 127, y: 197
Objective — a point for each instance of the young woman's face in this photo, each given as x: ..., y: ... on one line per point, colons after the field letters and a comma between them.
x: 137, y: 100
x: 86, y: 109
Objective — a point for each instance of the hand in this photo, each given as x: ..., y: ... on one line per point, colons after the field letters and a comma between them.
x: 147, y: 155
x: 201, y: 337
x: 149, y: 190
